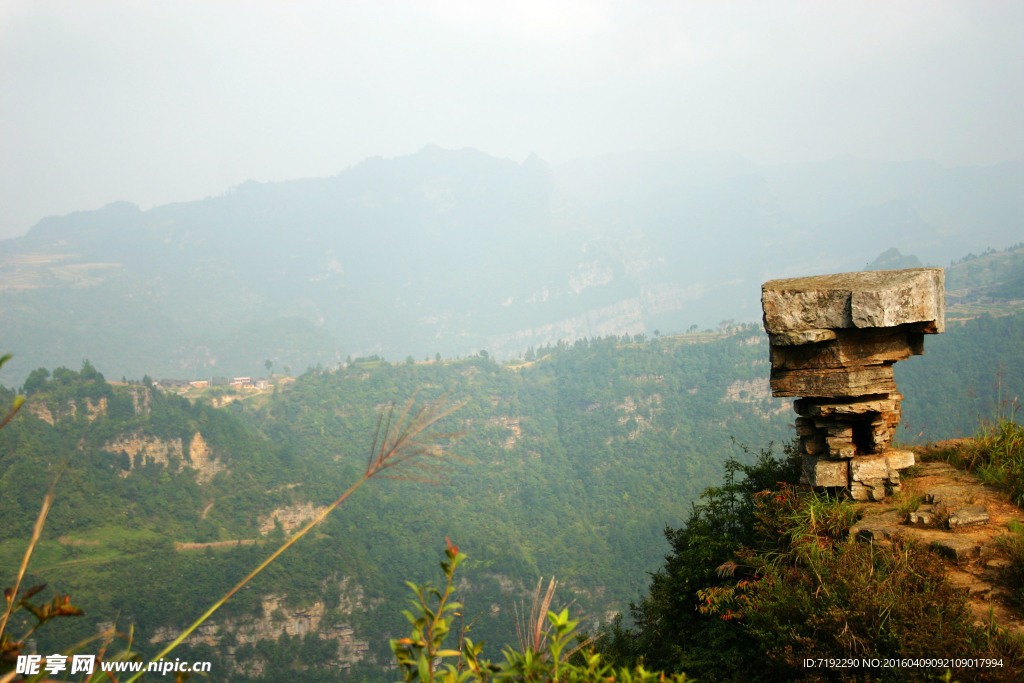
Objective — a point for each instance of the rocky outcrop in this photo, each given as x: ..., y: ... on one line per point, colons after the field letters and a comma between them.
x: 834, y: 340
x: 67, y: 409
x: 95, y: 410
x: 512, y: 424
x: 141, y: 400
x: 291, y: 517
x: 42, y: 411
x: 757, y: 394
x: 202, y: 460
x: 141, y: 449
x: 961, y: 519
x: 277, y: 618
x: 639, y: 414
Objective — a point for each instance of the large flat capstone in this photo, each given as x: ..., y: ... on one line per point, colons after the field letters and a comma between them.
x: 881, y: 298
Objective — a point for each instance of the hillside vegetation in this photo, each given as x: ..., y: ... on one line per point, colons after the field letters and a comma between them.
x: 571, y: 466
x: 767, y: 581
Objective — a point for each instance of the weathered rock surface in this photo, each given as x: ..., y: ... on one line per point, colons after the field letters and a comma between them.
x: 345, y: 647
x: 51, y: 414
x: 142, y: 448
x: 873, y: 299
x: 958, y: 549
x: 833, y: 382
x: 834, y: 340
x: 974, y: 553
x: 291, y: 517
x: 827, y: 473
x: 968, y: 516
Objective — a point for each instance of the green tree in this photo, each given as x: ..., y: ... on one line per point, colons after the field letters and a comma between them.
x: 36, y: 381
x: 669, y: 632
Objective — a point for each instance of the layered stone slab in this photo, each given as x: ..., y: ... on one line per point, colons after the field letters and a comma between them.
x: 834, y: 340
x: 866, y: 299
x: 833, y: 382
x: 849, y: 349
x: 826, y: 473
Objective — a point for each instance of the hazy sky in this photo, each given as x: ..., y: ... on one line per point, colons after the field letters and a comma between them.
x: 153, y: 102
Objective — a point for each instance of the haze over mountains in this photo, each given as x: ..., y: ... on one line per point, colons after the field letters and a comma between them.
x: 454, y: 251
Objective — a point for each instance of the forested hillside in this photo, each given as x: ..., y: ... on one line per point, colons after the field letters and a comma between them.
x: 571, y: 465
x: 972, y: 372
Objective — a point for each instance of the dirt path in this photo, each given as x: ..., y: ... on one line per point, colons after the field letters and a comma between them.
x: 978, y: 514
x: 179, y: 545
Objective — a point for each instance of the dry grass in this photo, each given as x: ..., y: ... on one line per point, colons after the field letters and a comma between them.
x: 534, y: 633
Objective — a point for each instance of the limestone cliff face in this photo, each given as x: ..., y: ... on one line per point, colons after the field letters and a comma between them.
x: 142, y: 448
x: 639, y: 413
x: 42, y: 411
x: 67, y: 410
x: 291, y: 517
x: 140, y: 400
x: 757, y: 393
x: 748, y: 391
x: 277, y: 618
x: 167, y: 452
x: 201, y: 459
x: 512, y: 425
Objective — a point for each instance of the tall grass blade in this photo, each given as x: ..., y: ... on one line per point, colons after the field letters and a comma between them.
x: 37, y: 532
x: 397, y: 444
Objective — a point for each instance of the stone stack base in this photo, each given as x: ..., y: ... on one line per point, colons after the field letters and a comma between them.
x: 846, y: 444
x: 867, y: 477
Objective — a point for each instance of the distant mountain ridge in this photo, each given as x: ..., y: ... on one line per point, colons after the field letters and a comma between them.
x: 452, y: 251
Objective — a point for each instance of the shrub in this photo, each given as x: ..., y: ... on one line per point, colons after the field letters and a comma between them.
x: 1012, y: 546
x: 670, y: 632
x: 811, y: 592
x: 547, y: 656
x: 765, y: 575
x: 997, y: 454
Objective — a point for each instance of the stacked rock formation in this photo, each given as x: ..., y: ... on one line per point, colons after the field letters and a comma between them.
x: 834, y: 340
